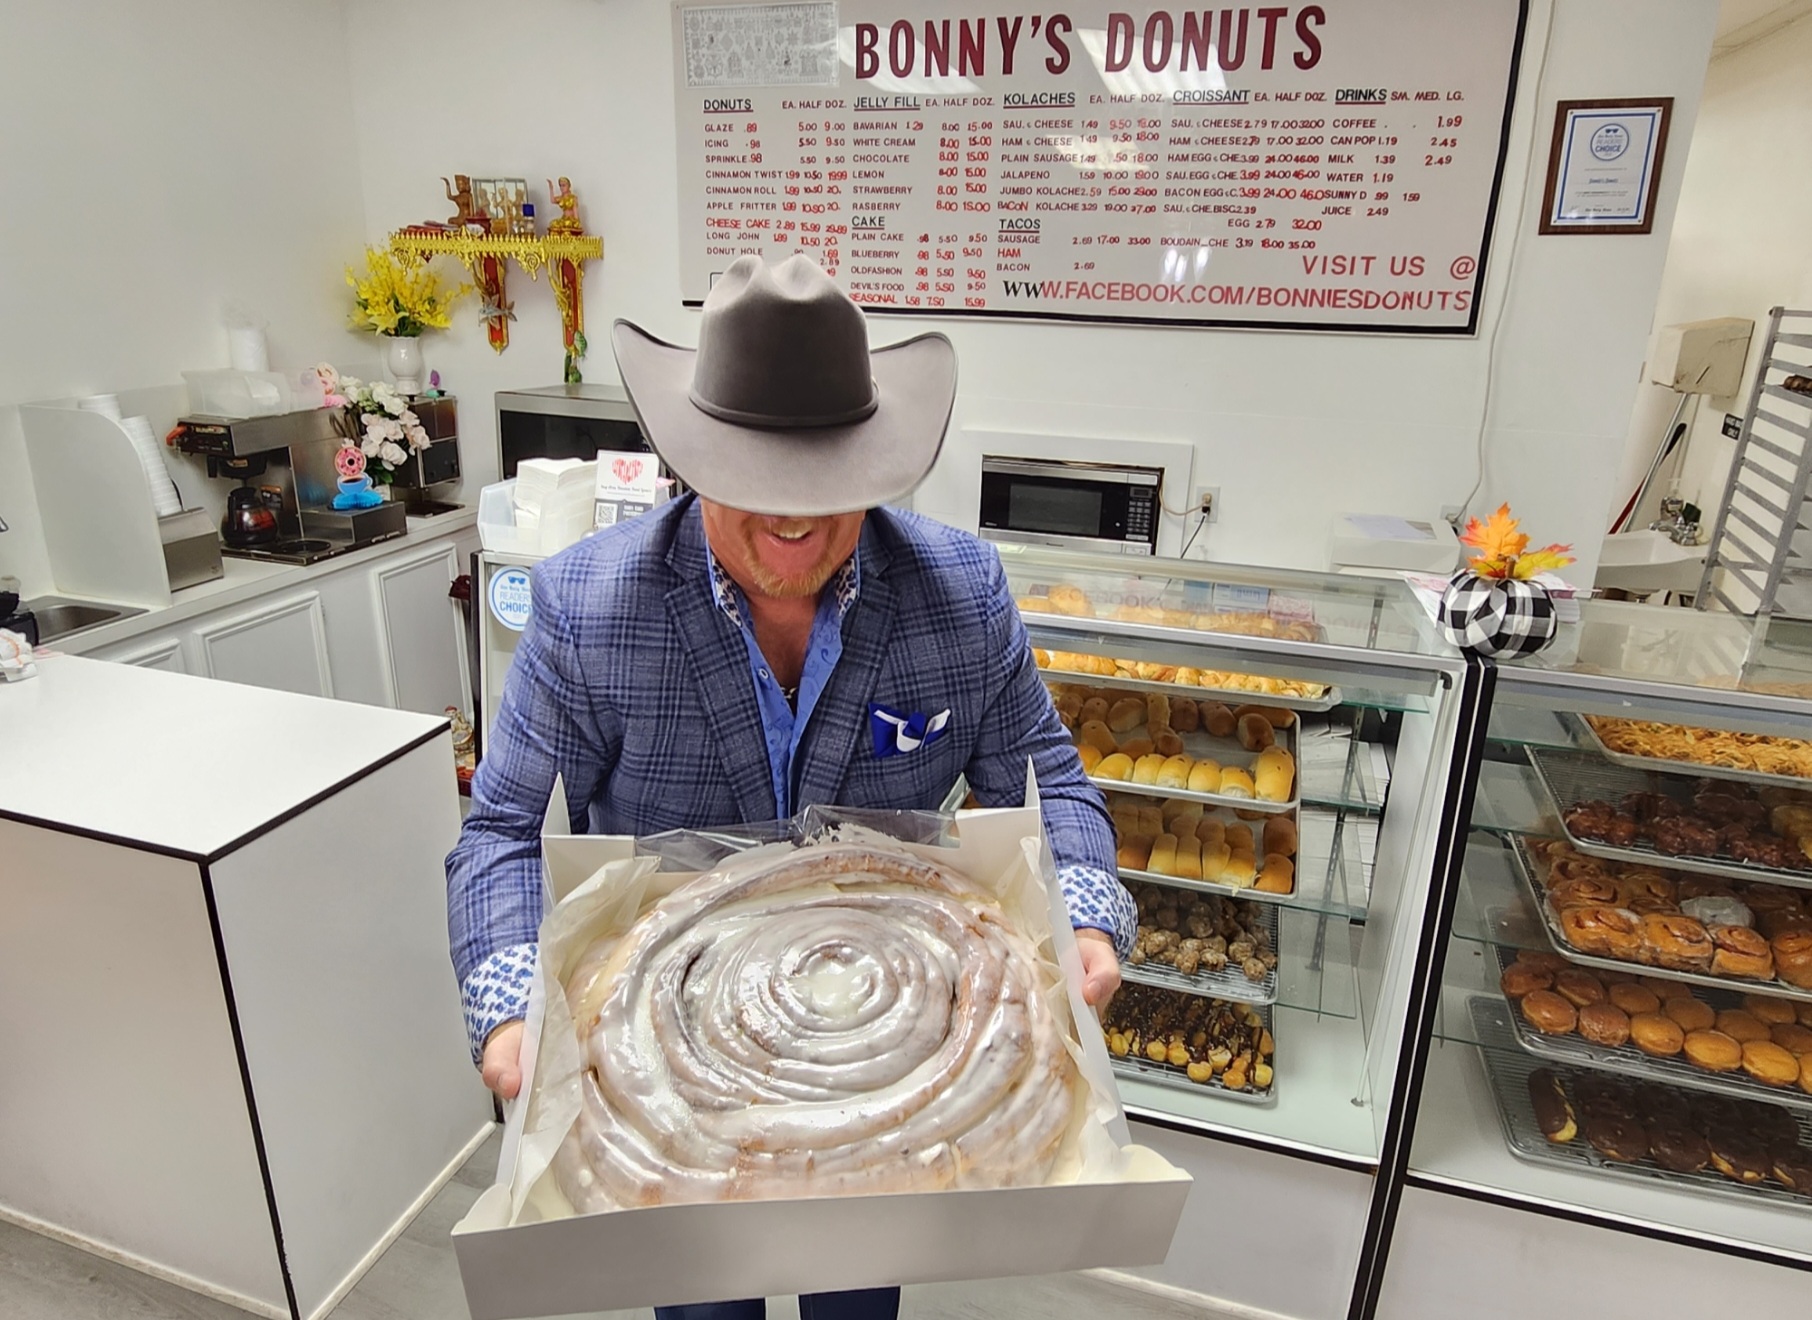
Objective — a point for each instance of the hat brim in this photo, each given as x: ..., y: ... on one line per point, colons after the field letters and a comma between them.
x: 802, y: 473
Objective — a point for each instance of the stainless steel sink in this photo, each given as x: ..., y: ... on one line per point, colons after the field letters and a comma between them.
x: 59, y: 617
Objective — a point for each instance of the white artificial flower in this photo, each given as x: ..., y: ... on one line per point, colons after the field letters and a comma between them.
x: 392, y: 429
x: 372, y: 444
x: 393, y: 454
x: 418, y: 438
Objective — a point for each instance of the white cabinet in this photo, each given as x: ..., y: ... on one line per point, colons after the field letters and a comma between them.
x: 279, y: 644
x: 421, y: 637
x: 159, y: 651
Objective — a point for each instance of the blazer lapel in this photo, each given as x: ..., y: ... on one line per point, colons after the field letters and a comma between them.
x: 718, y: 660
x: 841, y: 718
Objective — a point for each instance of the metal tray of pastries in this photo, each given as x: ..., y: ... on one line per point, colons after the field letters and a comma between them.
x: 1185, y: 844
x: 1066, y: 668
x: 1222, y: 1049
x: 1200, y: 944
x: 1551, y: 901
x: 1644, y: 1132
x: 1733, y: 834
x: 1156, y: 747
x: 1719, y: 1041
x: 1726, y: 755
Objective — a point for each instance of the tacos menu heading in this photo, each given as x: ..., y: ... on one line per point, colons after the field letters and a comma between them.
x: 1159, y: 41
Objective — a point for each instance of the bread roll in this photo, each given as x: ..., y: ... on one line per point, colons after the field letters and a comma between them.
x: 1242, y: 870
x: 1039, y: 605
x: 1163, y: 859
x: 1137, y: 747
x: 1185, y: 716
x: 1066, y: 599
x: 1205, y: 777
x: 1189, y: 860
x: 1175, y: 772
x: 1277, y: 876
x: 1068, y: 703
x: 1255, y: 733
x: 1157, y: 710
x: 1145, y: 769
x: 1100, y: 737
x: 1211, y: 832
x: 1218, y: 719
x: 1135, y: 853
x: 1166, y: 742
x: 1151, y: 820
x: 1274, y: 774
x: 1126, y: 822
x: 1245, y: 813
x: 1093, y: 708
x: 1280, y: 836
x: 1215, y: 857
x: 1126, y: 714
x: 1181, y: 809
x: 1278, y: 717
x: 1067, y: 720
x: 1115, y: 765
x: 1239, y: 838
x: 1091, y: 758
x: 1235, y: 783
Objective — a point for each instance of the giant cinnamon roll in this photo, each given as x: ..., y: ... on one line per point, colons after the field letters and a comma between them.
x: 843, y: 1019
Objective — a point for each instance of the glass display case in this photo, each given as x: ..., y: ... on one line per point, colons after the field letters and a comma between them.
x: 1283, y: 755
x: 1622, y: 1031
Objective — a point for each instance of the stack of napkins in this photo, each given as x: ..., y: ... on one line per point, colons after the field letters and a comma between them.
x: 553, y: 499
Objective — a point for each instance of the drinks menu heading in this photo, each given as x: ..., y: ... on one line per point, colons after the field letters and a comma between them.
x: 1323, y: 166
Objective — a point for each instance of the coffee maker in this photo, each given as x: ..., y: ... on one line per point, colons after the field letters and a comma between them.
x: 284, y: 465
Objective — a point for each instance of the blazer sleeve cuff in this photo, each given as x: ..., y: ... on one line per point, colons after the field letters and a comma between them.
x: 1098, y: 901
x: 496, y: 992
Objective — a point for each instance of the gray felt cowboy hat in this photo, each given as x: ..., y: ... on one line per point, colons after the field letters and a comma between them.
x: 782, y: 409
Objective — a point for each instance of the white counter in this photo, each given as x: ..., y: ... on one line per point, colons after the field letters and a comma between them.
x: 234, y: 1054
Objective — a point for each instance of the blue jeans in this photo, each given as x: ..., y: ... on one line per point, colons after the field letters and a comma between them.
x: 868, y: 1304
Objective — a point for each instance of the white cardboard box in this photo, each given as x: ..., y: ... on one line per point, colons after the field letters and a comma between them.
x: 673, y: 1255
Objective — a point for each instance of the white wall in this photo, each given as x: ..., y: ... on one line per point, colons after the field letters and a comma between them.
x: 1292, y: 427
x: 211, y: 155
x: 1740, y: 241
x: 161, y: 161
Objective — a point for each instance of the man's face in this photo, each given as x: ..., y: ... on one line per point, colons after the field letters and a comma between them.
x: 779, y: 557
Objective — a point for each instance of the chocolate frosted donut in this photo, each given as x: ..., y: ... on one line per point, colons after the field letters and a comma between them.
x: 1676, y: 1147
x: 1552, y: 1112
x: 1619, y: 1137
x: 1738, y: 1156
x: 843, y: 1019
x: 1793, y: 1169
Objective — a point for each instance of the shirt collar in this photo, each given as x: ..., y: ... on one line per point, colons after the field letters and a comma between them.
x: 844, y: 586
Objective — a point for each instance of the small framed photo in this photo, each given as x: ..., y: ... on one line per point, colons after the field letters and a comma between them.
x: 1604, y: 165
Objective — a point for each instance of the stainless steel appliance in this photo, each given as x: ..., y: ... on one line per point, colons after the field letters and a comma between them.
x: 564, y: 421
x: 288, y: 457
x: 1079, y: 506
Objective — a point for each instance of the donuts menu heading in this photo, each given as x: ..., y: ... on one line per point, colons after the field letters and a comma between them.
x: 1324, y: 166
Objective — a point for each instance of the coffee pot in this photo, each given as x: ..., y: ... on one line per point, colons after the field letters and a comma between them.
x: 251, y: 516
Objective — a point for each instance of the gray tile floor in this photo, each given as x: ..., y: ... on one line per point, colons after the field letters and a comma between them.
x: 417, y: 1279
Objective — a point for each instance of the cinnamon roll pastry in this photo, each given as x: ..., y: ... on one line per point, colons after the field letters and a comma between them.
x: 844, y: 1019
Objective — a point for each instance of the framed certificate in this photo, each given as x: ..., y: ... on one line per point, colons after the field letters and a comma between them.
x: 1603, y: 165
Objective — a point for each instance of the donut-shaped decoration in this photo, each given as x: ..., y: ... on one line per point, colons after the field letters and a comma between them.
x: 844, y: 1019
x: 349, y: 461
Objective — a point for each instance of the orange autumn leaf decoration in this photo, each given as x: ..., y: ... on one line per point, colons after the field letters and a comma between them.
x: 1501, y: 549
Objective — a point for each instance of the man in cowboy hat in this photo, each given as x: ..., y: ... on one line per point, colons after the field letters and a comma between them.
x: 777, y: 639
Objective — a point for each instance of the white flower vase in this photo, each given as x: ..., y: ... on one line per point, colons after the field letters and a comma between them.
x: 403, y: 358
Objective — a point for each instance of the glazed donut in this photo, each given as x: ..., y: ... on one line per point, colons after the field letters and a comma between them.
x: 1634, y: 999
x: 1603, y: 1023
x: 1657, y: 1035
x: 1770, y: 1064
x: 1692, y: 1014
x: 1792, y: 1037
x: 1679, y: 942
x: 843, y: 1019
x: 1608, y: 932
x: 1742, y: 1027
x: 1714, y: 1051
x: 1769, y: 1009
x: 1520, y: 979
x: 1579, y: 987
x: 1548, y: 1013
x: 1543, y: 960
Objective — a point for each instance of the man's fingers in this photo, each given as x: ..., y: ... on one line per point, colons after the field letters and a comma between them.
x: 501, y: 1067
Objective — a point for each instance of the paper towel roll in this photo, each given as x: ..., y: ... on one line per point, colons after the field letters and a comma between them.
x: 246, y: 349
x: 164, y: 498
x: 107, y: 405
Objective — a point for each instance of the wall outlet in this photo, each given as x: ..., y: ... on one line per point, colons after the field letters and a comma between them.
x: 1209, y: 498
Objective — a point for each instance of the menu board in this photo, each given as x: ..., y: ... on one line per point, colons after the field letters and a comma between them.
x: 1322, y: 166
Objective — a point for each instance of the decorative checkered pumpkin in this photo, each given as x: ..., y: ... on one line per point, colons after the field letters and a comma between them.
x: 1501, y: 618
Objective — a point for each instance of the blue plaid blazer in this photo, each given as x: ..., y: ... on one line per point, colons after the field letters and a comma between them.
x: 633, y: 686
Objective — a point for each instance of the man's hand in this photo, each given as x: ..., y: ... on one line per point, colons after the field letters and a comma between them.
x: 502, y: 1066
x: 1100, y: 972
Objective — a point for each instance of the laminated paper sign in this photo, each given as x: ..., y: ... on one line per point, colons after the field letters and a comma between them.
x: 628, y: 485
x: 522, y: 1254
x: 1313, y: 166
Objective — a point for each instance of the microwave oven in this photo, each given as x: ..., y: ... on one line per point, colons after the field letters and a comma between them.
x: 564, y: 421
x: 1078, y: 506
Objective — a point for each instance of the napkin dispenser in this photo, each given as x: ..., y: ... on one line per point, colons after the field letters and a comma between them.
x: 191, y: 549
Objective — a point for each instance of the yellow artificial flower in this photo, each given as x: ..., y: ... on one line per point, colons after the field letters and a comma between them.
x: 400, y: 295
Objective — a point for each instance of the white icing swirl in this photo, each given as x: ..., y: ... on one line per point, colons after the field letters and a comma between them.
x: 844, y: 1019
